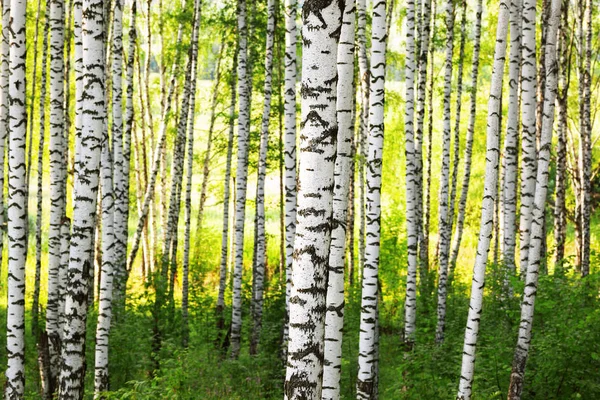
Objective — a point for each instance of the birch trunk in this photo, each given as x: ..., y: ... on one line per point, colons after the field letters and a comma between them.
x: 261, y: 244
x: 319, y: 129
x: 40, y: 178
x: 511, y: 143
x: 84, y: 200
x: 241, y: 178
x: 17, y: 213
x: 226, y: 197
x: 4, y: 112
x: 334, y: 318
x: 188, y: 190
x: 289, y: 150
x: 487, y: 211
x: 443, y: 208
x: 528, y: 118
x: 412, y: 229
x: 462, y: 203
x: 560, y: 211
x: 543, y: 162
x: 366, y: 386
x: 108, y: 254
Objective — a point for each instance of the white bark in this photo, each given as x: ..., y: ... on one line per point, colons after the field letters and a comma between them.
x: 511, y: 143
x: 241, y: 178
x: 366, y: 385
x: 4, y: 105
x: 17, y: 211
x: 334, y: 319
x: 443, y: 206
x: 412, y: 229
x: 322, y: 23
x: 261, y: 243
x: 487, y: 209
x: 528, y: 122
x: 85, y: 192
x: 537, y: 231
x: 108, y: 261
x: 289, y: 151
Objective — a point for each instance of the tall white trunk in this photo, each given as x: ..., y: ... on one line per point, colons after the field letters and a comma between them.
x: 289, y: 150
x: 412, y: 229
x: 17, y: 213
x: 462, y: 203
x: 334, y: 319
x: 366, y: 385
x: 490, y: 190
x: 322, y: 24
x: 85, y: 192
x: 4, y: 105
x: 511, y: 143
x: 108, y: 261
x: 443, y: 207
x: 261, y: 243
x: 528, y: 122
x: 537, y: 233
x: 241, y: 178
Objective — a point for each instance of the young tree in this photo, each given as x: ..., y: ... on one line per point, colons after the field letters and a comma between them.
x: 319, y: 129
x: 543, y: 162
x: 366, y: 385
x: 462, y: 202
x: 17, y: 213
x: 444, y: 225
x: 289, y: 151
x: 261, y: 242
x: 492, y: 156
x: 334, y: 319
x: 4, y: 109
x: 511, y: 143
x: 528, y: 122
x: 85, y: 191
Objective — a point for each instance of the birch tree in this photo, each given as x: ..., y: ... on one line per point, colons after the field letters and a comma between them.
x: 4, y: 109
x: 17, y: 212
x: 543, y: 163
x: 528, y: 122
x: 468, y: 152
x: 334, y: 318
x: 366, y: 385
x: 319, y: 129
x: 492, y: 156
x: 511, y: 143
x: 412, y: 230
x: 289, y: 150
x: 444, y: 225
x: 85, y: 190
x: 261, y: 242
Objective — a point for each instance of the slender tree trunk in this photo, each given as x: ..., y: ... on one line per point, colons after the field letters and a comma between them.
x: 543, y: 163
x: 188, y: 190
x: 511, y: 143
x: 586, y: 144
x: 17, y: 214
x: 4, y: 111
x: 35, y: 307
x: 307, y: 308
x: 241, y: 178
x: 108, y: 255
x: 261, y: 244
x: 366, y: 386
x: 334, y: 318
x: 487, y: 212
x: 528, y: 143
x: 289, y: 150
x: 462, y: 203
x: 412, y: 229
x: 560, y: 211
x: 226, y: 197
x: 443, y: 208
x: 85, y: 196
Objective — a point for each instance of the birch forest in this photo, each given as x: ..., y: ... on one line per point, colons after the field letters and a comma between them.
x: 300, y: 199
